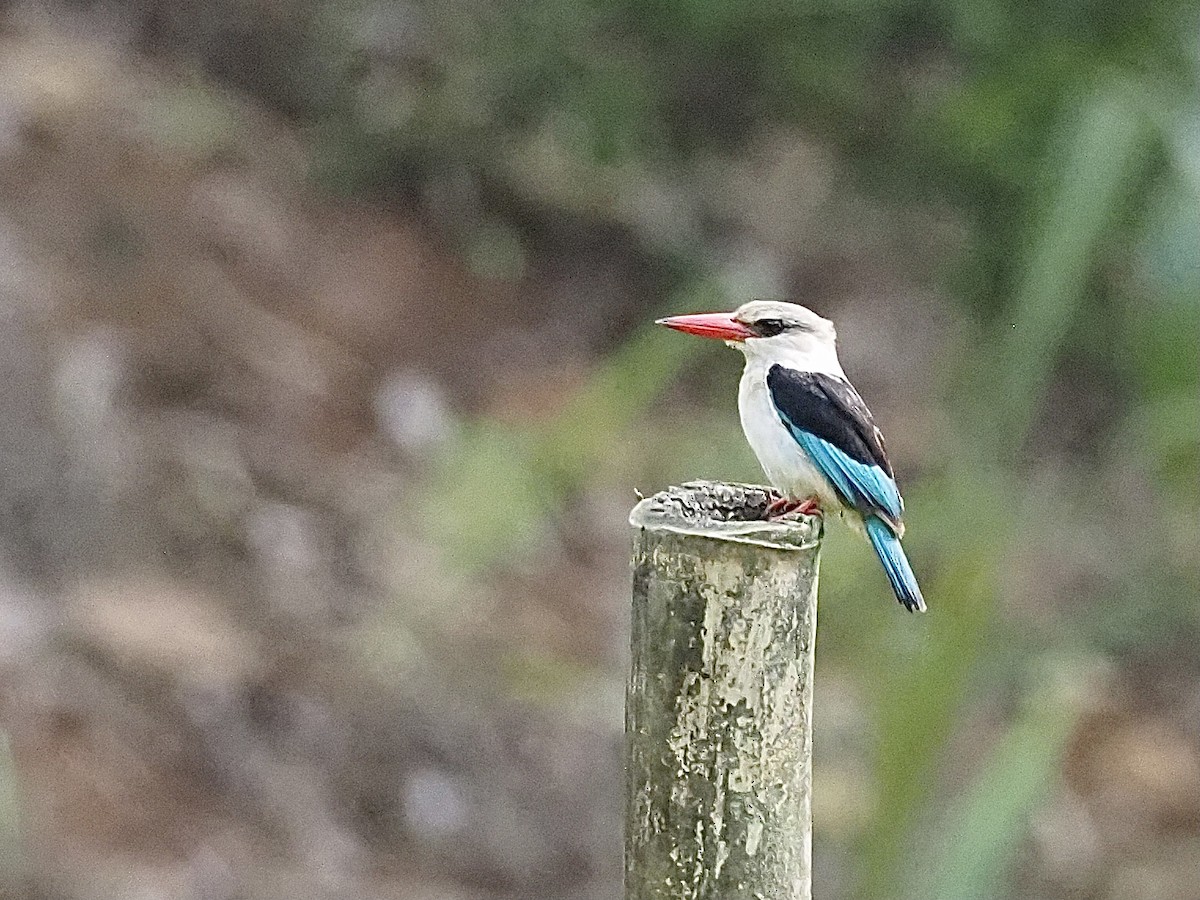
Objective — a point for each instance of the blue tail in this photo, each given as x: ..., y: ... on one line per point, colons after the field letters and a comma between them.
x: 895, y: 563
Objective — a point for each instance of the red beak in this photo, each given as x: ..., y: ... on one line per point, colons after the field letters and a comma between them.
x: 709, y: 325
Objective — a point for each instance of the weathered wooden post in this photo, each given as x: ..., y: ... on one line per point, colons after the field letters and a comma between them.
x: 718, y: 713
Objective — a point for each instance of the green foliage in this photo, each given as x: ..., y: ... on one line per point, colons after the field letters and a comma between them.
x: 497, y: 487
x: 922, y: 682
x: 488, y: 499
x: 981, y: 831
x: 1060, y: 135
x: 1105, y: 151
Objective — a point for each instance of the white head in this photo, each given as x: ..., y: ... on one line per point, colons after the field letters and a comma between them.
x: 768, y: 332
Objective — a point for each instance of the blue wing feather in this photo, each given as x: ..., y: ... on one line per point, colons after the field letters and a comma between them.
x: 869, y: 489
x: 866, y: 487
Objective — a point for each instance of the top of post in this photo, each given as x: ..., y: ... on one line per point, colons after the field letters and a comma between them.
x: 725, y: 512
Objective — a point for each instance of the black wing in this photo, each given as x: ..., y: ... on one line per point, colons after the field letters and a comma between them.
x: 831, y: 409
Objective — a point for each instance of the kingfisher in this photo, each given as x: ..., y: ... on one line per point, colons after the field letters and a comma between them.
x: 811, y: 431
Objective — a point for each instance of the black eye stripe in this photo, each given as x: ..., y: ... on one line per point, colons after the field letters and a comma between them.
x: 769, y: 327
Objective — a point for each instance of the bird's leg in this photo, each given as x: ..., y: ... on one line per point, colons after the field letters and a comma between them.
x: 779, y: 506
x: 810, y: 507
x: 785, y: 506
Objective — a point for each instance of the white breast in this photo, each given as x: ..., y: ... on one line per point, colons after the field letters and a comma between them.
x: 786, y: 465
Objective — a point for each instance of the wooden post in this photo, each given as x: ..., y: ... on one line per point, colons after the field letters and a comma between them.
x: 718, y: 713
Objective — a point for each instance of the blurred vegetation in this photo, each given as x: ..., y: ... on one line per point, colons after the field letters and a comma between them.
x: 1062, y: 137
x: 1035, y: 166
x: 1065, y: 140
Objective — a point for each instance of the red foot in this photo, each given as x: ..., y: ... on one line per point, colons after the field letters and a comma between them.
x: 785, y: 506
x: 810, y: 507
x: 778, y: 506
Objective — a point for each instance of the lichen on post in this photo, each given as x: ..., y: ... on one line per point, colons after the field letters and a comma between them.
x: 718, y: 713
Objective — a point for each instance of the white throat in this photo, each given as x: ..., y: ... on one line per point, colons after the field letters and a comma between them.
x: 802, y: 352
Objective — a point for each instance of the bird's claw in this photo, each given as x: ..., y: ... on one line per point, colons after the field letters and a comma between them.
x: 810, y: 507
x: 787, y: 506
x: 778, y: 506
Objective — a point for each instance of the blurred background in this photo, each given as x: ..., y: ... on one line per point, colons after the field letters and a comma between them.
x: 329, y: 379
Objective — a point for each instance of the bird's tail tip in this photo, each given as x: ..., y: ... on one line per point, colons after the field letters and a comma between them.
x: 914, y: 603
x: 895, y: 564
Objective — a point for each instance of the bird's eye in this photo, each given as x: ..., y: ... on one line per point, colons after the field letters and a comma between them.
x: 770, y: 327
